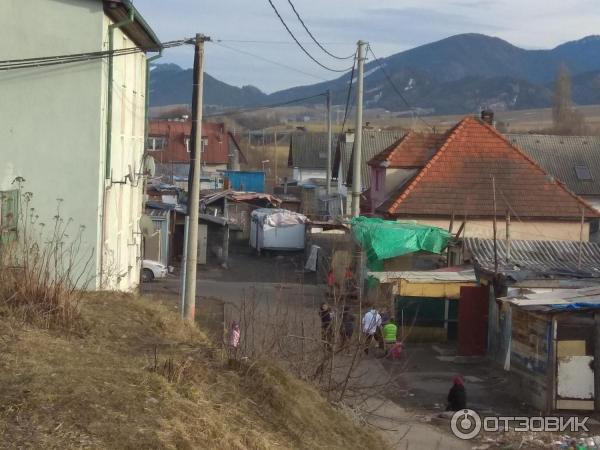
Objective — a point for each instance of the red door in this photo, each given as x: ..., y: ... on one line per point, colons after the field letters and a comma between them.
x: 472, y: 321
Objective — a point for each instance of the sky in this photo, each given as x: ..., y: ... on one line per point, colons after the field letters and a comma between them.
x: 390, y: 26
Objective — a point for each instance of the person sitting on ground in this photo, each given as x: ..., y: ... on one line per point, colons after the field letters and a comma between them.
x: 347, y: 328
x: 326, y: 315
x: 457, y: 397
x: 371, y: 327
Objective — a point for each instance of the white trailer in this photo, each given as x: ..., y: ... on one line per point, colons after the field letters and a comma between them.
x: 277, y: 229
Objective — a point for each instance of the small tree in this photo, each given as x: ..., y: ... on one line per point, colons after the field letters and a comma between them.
x: 566, y: 119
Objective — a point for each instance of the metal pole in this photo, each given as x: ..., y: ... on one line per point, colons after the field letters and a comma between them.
x: 495, y: 228
x: 357, y: 162
x: 184, y: 264
x: 194, y: 195
x: 508, y: 243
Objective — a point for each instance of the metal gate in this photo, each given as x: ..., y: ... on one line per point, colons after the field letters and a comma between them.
x: 472, y: 321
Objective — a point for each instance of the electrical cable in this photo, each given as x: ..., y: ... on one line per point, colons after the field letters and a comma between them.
x: 299, y: 44
x: 76, y: 57
x: 269, y: 61
x: 258, y: 108
x: 315, y: 39
x: 243, y: 41
x: 394, y: 87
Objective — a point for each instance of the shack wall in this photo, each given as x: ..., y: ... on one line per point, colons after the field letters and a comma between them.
x: 530, y: 356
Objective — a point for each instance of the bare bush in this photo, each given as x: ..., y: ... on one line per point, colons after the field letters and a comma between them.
x: 42, y: 269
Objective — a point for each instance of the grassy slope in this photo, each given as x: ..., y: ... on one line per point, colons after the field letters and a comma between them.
x: 96, y: 391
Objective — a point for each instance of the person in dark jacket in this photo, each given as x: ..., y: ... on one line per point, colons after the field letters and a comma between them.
x: 457, y: 397
x: 347, y: 328
x: 326, y: 315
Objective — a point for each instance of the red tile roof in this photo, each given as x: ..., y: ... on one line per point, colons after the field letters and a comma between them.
x: 458, y: 179
x: 413, y: 150
x: 220, y: 142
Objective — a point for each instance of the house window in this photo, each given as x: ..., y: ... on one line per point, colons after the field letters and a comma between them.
x: 9, y: 214
x: 188, y: 143
x: 156, y: 143
x: 583, y: 173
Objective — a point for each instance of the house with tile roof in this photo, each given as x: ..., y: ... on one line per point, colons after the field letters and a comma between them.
x: 169, y: 144
x: 469, y: 175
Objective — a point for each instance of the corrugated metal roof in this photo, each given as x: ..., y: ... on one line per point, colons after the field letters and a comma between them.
x: 536, y: 259
x: 373, y: 143
x: 309, y: 150
x: 430, y: 276
x: 561, y: 155
x: 558, y: 300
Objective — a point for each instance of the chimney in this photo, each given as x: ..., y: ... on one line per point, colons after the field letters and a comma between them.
x: 487, y: 115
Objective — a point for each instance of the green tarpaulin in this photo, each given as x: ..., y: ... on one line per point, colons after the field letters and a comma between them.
x: 384, y: 239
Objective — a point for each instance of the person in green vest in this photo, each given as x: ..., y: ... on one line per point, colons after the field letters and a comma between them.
x: 390, y: 332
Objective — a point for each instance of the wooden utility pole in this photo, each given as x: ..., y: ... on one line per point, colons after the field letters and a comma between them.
x: 194, y: 191
x: 329, y: 136
x: 357, y: 157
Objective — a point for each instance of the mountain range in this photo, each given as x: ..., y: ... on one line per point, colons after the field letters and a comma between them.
x: 459, y: 74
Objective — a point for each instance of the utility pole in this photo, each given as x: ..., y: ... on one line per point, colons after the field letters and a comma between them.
x: 194, y: 194
x: 495, y: 228
x: 357, y: 162
x: 328, y: 174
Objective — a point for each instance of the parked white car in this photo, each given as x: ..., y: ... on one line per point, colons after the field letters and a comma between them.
x: 152, y: 270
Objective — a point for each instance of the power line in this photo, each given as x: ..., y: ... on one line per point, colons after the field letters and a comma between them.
x: 44, y: 61
x: 244, y: 41
x: 258, y: 108
x: 314, y: 38
x: 285, y: 66
x: 299, y: 44
x: 395, y: 88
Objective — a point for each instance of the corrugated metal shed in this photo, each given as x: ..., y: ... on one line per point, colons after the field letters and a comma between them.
x: 373, y: 143
x: 253, y: 181
x: 560, y: 156
x: 536, y: 259
x: 309, y: 150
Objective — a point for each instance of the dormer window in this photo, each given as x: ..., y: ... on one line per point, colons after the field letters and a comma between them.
x: 583, y: 173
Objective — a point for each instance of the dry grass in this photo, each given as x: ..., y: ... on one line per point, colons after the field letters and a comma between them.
x: 112, y: 389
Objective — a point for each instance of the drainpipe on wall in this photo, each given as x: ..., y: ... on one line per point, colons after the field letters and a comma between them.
x: 111, y: 37
x: 108, y: 149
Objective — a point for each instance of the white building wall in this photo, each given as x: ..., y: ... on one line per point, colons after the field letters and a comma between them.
x: 124, y: 191
x: 53, y: 131
x: 50, y: 118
